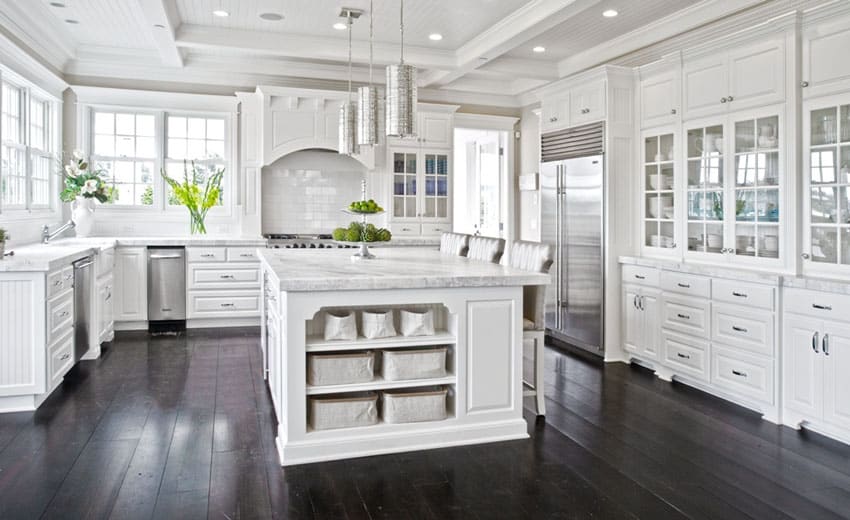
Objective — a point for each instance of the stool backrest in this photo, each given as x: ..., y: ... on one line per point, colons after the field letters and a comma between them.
x: 486, y: 249
x: 454, y: 244
x: 536, y: 257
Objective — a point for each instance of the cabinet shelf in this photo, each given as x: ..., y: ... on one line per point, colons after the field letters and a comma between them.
x: 318, y: 343
x: 379, y: 383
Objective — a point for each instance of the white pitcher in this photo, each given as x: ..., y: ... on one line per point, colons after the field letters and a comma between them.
x: 82, y: 213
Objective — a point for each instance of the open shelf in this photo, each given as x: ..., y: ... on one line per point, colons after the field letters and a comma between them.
x: 318, y: 343
x: 379, y: 384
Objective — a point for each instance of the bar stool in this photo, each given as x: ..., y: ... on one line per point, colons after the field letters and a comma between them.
x: 486, y: 249
x: 454, y: 244
x: 532, y: 256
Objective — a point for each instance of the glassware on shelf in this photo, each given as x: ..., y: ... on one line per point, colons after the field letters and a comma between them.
x: 824, y: 204
x: 768, y: 133
x: 823, y: 126
x: 824, y: 245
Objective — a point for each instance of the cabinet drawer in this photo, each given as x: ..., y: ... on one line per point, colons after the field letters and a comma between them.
x: 686, y: 315
x: 830, y: 306
x: 436, y: 229
x: 684, y: 283
x: 203, y: 276
x: 209, y: 304
x: 61, y: 359
x: 105, y: 262
x: 206, y: 254
x: 742, y: 293
x: 686, y: 355
x: 60, y: 281
x: 60, y: 316
x: 742, y: 374
x: 405, y: 229
x: 641, y: 275
x: 748, y: 329
x: 242, y: 254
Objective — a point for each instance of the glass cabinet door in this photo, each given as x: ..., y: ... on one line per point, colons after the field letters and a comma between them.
x: 436, y: 186
x: 756, y: 187
x: 659, y: 192
x: 405, y: 168
x: 705, y: 217
x: 829, y: 185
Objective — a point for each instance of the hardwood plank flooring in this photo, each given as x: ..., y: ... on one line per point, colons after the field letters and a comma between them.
x: 182, y: 427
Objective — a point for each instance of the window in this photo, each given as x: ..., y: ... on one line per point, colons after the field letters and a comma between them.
x: 125, y: 149
x: 194, y: 139
x: 27, y: 161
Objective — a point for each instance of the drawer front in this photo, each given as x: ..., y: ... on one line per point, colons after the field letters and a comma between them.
x: 55, y: 284
x: 202, y: 276
x: 689, y: 316
x: 61, y: 359
x: 742, y: 374
x: 242, y: 254
x: 436, y: 229
x: 60, y: 316
x: 742, y: 293
x: 686, y: 355
x: 105, y: 262
x: 684, y: 283
x: 747, y: 329
x: 206, y: 254
x: 828, y: 306
x: 208, y: 304
x: 405, y: 229
x: 641, y: 275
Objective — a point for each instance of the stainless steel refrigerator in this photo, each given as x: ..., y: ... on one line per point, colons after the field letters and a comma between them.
x: 572, y: 185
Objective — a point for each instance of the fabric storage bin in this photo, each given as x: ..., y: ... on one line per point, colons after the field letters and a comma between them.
x: 340, y: 325
x: 417, y: 323
x: 340, y: 368
x: 329, y: 412
x: 405, y: 406
x: 421, y: 363
x: 377, y: 324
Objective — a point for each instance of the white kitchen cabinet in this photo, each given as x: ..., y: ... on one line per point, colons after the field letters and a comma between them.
x: 660, y: 98
x: 421, y: 191
x: 836, y: 367
x: 826, y: 69
x: 554, y: 113
x: 659, y: 194
x: 731, y: 80
x: 131, y: 284
x: 587, y: 103
x: 105, y: 312
x: 222, y: 282
x: 434, y: 130
x: 642, y: 331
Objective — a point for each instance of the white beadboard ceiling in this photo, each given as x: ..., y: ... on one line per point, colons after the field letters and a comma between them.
x: 485, y: 49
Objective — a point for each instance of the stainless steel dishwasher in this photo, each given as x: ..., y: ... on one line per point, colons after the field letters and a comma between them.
x: 166, y: 286
x: 82, y: 306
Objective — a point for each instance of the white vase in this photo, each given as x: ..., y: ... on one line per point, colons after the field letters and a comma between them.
x: 82, y: 213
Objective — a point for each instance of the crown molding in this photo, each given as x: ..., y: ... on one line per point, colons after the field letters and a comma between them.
x: 16, y: 60
x: 152, y: 99
x: 36, y: 31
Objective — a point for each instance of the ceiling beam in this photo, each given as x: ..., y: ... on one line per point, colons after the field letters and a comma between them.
x: 162, y: 19
x: 524, y: 24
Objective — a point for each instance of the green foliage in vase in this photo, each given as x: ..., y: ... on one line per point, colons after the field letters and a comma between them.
x: 199, y: 191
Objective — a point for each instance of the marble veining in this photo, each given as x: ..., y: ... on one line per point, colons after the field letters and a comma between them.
x: 817, y: 284
x: 394, y: 268
x: 705, y: 270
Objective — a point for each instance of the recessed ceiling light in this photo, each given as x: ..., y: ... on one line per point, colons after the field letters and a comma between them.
x: 57, y: 4
x: 271, y: 17
x: 72, y: 22
x: 610, y: 13
x: 435, y: 37
x: 221, y: 13
x: 539, y: 48
x: 339, y: 26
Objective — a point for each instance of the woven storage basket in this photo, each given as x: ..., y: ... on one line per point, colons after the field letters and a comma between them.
x: 377, y: 324
x: 421, y: 363
x: 417, y: 323
x: 331, y: 412
x: 340, y: 325
x: 340, y: 368
x: 405, y: 406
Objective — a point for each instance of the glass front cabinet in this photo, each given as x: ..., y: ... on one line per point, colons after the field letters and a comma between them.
x: 421, y: 184
x: 826, y: 166
x: 659, y: 193
x: 734, y: 173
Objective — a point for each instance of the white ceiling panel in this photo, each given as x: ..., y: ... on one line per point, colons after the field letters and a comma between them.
x: 589, y: 28
x: 107, y: 23
x: 457, y: 20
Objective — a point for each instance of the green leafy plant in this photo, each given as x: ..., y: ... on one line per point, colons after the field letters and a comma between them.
x: 199, y: 191
x: 80, y: 180
x: 4, y: 235
x: 355, y: 232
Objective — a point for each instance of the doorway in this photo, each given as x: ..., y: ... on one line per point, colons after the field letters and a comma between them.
x: 482, y: 189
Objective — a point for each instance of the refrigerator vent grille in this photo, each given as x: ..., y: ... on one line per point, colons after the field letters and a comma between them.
x: 579, y: 141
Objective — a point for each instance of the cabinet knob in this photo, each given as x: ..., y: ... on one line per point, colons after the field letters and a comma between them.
x: 805, y: 256
x: 804, y: 84
x: 673, y: 111
x: 815, y: 342
x: 825, y: 344
x: 723, y: 100
x: 729, y: 99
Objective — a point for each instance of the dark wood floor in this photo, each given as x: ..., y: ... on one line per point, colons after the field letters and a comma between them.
x: 182, y: 428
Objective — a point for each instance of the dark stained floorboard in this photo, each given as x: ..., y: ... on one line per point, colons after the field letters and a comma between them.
x: 183, y: 427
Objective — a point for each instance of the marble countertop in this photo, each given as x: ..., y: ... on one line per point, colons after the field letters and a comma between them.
x: 746, y: 275
x: 817, y: 284
x: 60, y: 253
x: 302, y: 270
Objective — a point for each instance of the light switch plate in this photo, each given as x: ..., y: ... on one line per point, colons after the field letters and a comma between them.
x: 528, y: 182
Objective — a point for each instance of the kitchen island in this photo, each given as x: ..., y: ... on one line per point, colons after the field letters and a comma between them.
x: 476, y: 310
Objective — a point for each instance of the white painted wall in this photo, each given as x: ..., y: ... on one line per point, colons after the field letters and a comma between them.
x: 528, y: 202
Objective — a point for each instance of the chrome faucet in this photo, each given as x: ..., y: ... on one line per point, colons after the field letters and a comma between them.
x: 47, y: 236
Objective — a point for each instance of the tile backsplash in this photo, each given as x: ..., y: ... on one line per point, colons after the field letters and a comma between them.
x: 304, y: 192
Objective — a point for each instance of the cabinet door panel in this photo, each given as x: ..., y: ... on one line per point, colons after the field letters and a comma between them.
x: 659, y: 100
x: 587, y: 104
x: 651, y: 328
x: 634, y: 322
x: 802, y: 366
x: 435, y: 130
x: 836, y: 367
x: 131, y: 284
x: 491, y: 355
x: 825, y: 64
x: 554, y: 114
x: 705, y: 84
x: 757, y: 75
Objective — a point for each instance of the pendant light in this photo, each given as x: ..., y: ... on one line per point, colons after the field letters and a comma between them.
x: 401, y: 94
x: 367, y: 100
x: 348, y: 110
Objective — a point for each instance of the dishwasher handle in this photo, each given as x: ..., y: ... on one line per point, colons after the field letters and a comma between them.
x: 165, y: 257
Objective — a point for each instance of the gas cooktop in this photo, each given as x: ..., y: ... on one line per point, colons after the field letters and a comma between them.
x: 299, y: 241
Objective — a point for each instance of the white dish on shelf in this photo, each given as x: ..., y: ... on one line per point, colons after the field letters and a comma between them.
x: 668, y: 212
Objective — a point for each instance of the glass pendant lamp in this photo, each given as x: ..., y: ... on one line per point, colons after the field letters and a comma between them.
x: 367, y: 100
x: 401, y: 94
x: 348, y: 110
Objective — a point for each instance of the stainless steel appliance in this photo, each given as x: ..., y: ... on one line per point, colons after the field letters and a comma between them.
x: 82, y: 305
x: 296, y: 241
x: 166, y: 284
x: 572, y: 188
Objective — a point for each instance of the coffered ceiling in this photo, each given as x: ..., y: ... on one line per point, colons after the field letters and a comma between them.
x: 485, y: 50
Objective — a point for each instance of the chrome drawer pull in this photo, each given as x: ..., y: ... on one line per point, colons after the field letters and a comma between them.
x: 739, y: 294
x: 826, y: 344
x: 246, y: 255
x: 228, y: 305
x: 640, y: 277
x: 739, y: 374
x: 815, y: 342
x: 683, y: 356
x: 822, y: 307
x: 227, y: 277
x: 208, y: 255
x: 684, y: 285
x: 108, y: 297
x: 57, y: 283
x: 738, y: 329
x: 63, y: 314
x: 71, y: 276
x: 64, y: 356
x: 684, y: 316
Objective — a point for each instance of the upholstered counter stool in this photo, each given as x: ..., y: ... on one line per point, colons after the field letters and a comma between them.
x: 486, y: 249
x: 454, y: 244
